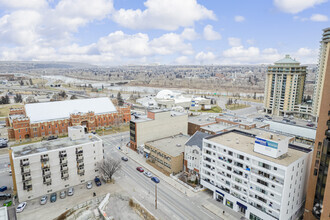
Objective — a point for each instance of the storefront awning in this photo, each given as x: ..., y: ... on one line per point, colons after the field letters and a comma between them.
x: 241, y: 205
x: 220, y: 193
x: 147, y: 151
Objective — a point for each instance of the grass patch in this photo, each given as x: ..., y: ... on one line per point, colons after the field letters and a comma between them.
x: 236, y: 106
x: 214, y: 109
x: 4, y: 109
x: 113, y: 130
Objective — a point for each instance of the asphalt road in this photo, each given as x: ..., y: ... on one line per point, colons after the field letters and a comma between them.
x: 171, y: 203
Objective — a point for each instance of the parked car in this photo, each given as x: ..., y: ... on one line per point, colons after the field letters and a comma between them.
x: 140, y: 169
x: 8, y: 203
x: 3, y: 145
x: 3, y: 188
x: 53, y: 197
x: 148, y: 174
x: 97, y: 181
x: 51, y: 137
x: 70, y: 191
x: 155, y: 179
x: 43, y: 200
x: 89, y: 185
x: 124, y: 159
x: 310, y: 125
x: 63, y: 194
x: 21, y: 207
x: 4, y: 196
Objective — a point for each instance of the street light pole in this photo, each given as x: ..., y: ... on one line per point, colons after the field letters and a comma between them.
x: 155, y: 196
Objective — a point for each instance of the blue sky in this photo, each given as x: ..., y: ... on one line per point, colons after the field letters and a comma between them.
x: 107, y: 32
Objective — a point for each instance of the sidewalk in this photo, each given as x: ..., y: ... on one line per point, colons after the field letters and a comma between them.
x: 221, y: 210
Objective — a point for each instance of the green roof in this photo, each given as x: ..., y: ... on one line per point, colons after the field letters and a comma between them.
x: 287, y: 60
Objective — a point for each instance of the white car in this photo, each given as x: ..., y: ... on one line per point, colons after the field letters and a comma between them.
x: 148, y: 174
x: 89, y: 185
x: 21, y: 207
x: 70, y: 191
x: 43, y: 200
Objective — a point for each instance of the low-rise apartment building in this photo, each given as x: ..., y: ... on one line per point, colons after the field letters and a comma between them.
x: 241, y: 122
x: 193, y: 153
x: 155, y: 125
x: 262, y: 176
x: 167, y: 153
x: 195, y: 123
x: 50, y: 166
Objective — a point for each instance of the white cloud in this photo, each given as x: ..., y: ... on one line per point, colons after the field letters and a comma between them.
x: 250, y: 41
x: 189, y: 34
x: 210, y: 34
x: 170, y: 43
x: 182, y: 60
x: 165, y: 15
x: 23, y: 4
x: 234, y: 42
x: 319, y: 17
x: 205, y: 58
x: 306, y: 55
x: 250, y: 55
x: 295, y: 6
x: 239, y: 18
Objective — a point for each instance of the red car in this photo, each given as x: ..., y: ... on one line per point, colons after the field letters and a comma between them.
x: 140, y: 169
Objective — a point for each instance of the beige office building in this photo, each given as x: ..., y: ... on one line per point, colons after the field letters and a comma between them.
x: 155, y: 125
x: 284, y: 87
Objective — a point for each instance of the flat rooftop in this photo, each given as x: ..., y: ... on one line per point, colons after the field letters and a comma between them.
x: 217, y: 127
x: 44, y: 146
x: 144, y: 118
x: 246, y: 145
x: 173, y: 146
x: 276, y: 136
x: 202, y: 119
x: 240, y: 120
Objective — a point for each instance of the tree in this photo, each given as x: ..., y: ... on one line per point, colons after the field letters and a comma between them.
x: 73, y: 97
x: 120, y: 99
x: 31, y: 83
x: 5, y: 100
x: 18, y: 98
x: 21, y: 83
x: 63, y: 94
x: 108, y: 167
x: 254, y: 95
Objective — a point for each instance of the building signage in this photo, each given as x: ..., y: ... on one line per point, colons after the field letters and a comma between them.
x: 266, y: 143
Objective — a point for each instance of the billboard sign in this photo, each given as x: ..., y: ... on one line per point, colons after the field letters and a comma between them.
x: 266, y: 143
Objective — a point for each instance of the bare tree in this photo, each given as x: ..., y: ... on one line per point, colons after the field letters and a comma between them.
x: 109, y: 167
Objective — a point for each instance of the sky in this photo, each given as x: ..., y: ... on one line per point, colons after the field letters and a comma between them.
x: 171, y: 32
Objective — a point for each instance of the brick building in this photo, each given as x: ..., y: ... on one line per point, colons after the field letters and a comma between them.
x: 39, y: 120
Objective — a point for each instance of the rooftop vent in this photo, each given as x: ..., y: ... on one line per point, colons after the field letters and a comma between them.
x: 178, y: 145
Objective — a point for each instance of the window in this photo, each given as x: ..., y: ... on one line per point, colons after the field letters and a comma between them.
x: 315, y: 172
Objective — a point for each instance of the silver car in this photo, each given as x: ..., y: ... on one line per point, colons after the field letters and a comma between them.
x: 43, y: 200
x: 70, y: 191
x: 148, y: 174
x: 63, y: 194
x: 89, y: 185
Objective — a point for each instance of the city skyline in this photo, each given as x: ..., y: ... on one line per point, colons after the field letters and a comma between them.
x: 145, y: 32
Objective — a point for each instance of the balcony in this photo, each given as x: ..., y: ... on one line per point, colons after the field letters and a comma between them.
x: 44, y: 158
x: 45, y: 165
x: 46, y: 173
x: 81, y: 171
x: 47, y: 180
x: 79, y: 151
x: 63, y: 161
x: 80, y: 158
x: 65, y: 175
x: 26, y: 178
x: 25, y: 170
x: 25, y: 163
x: 79, y: 164
x: 62, y: 154
x: 64, y: 168
x: 27, y: 186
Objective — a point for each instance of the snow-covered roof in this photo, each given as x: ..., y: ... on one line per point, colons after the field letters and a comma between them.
x: 49, y: 111
x: 164, y: 94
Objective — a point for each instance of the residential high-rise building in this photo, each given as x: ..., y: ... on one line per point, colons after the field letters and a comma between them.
x: 262, y: 176
x: 319, y: 79
x: 318, y: 196
x: 284, y: 86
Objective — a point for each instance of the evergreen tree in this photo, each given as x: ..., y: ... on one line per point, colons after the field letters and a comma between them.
x: 18, y: 98
x: 120, y: 99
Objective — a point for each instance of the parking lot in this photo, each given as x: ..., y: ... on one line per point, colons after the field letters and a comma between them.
x: 50, y: 210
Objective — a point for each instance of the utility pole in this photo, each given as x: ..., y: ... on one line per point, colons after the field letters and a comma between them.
x: 155, y: 196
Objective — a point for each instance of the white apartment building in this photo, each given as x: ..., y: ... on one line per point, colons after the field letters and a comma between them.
x: 50, y: 166
x: 261, y: 176
x: 193, y: 153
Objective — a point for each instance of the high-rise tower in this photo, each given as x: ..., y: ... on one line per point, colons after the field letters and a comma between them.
x: 284, y: 86
x: 323, y: 62
x: 318, y: 194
